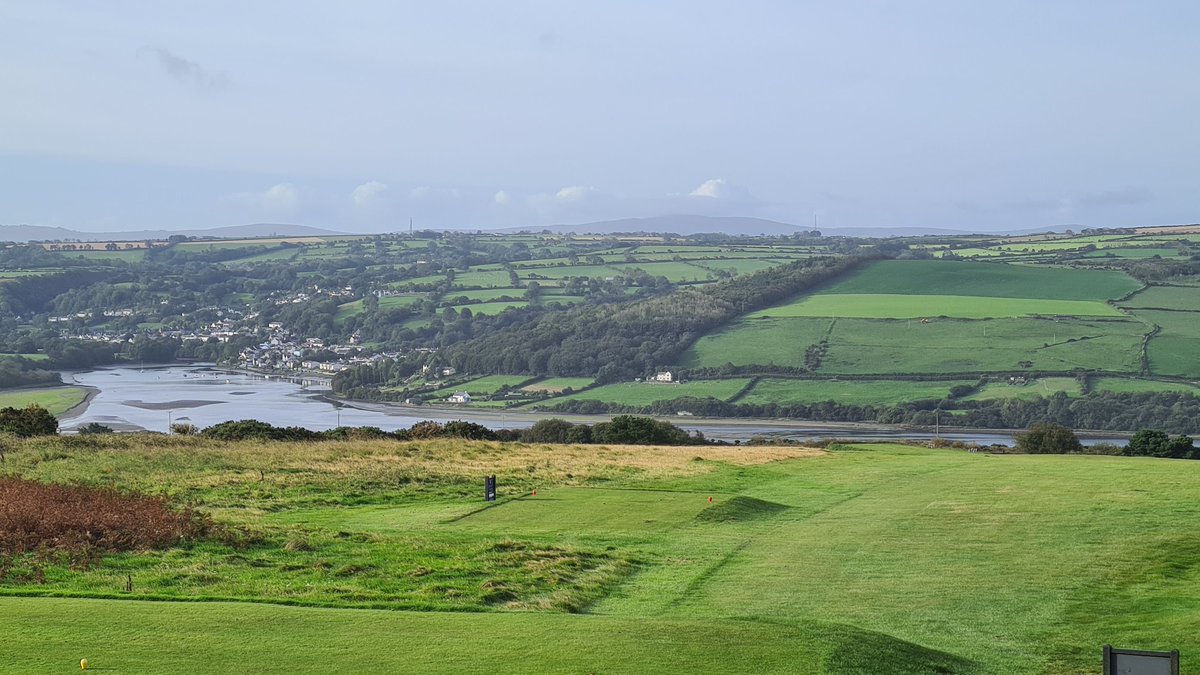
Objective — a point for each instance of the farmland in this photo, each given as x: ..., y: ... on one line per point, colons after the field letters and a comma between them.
x: 645, y: 393
x: 805, y: 561
x: 55, y: 399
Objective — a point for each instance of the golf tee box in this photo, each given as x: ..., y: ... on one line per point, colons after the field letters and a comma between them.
x: 1138, y: 662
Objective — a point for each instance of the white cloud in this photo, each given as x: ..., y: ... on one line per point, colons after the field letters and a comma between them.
x: 575, y: 193
x: 365, y: 193
x: 502, y: 197
x: 718, y: 188
x: 280, y: 198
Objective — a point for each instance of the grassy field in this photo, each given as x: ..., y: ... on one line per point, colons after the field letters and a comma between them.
x: 483, y: 385
x: 1173, y: 350
x: 1045, y: 386
x: 874, y: 346
x: 645, y: 393
x: 849, y: 392
x: 1135, y: 386
x: 557, y: 384
x: 55, y: 399
x: 860, y: 560
x: 931, y: 277
x: 885, y: 306
x: 1166, y: 297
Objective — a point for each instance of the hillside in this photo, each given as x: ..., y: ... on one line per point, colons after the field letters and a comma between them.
x: 803, y: 561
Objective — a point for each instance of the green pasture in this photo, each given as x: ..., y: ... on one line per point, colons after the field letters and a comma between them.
x: 55, y: 399
x: 1045, y: 387
x: 489, y: 384
x: 645, y: 393
x: 274, y: 255
x: 482, y: 279
x: 878, y: 346
x: 1166, y: 297
x: 932, y: 277
x: 1134, y: 253
x: 738, y: 266
x: 493, y: 308
x: 847, y: 392
x: 130, y: 255
x: 556, y: 384
x: 565, y: 271
x: 887, y: 306
x: 866, y: 559
x: 1175, y: 348
x: 483, y: 295
x: 355, y: 307
x: 1125, y: 385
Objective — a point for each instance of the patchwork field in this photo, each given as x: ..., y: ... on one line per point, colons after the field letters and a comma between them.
x: 885, y: 306
x: 925, y: 561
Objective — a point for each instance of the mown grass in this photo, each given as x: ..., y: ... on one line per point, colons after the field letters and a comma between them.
x: 1172, y: 351
x: 864, y: 559
x: 1045, y: 386
x: 55, y: 399
x: 1124, y: 385
x: 1166, y: 297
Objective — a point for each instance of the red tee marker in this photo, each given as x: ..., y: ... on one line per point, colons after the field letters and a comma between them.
x: 535, y: 493
x: 710, y: 500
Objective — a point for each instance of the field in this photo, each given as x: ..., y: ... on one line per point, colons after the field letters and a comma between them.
x: 927, y: 277
x: 55, y: 399
x: 873, y: 346
x: 557, y: 384
x: 1179, y: 298
x: 849, y: 392
x: 884, y: 306
x: 645, y: 393
x: 483, y: 385
x: 1046, y: 386
x: 863, y: 559
x: 1173, y: 350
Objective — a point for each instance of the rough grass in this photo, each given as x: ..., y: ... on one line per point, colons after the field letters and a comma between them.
x: 1046, y: 386
x: 864, y: 559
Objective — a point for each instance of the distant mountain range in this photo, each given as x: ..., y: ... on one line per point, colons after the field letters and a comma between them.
x: 20, y: 233
x: 693, y: 224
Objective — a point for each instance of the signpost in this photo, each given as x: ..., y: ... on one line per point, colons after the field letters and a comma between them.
x: 1136, y: 662
x: 489, y: 489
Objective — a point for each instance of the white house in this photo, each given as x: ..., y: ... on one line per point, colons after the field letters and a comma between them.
x: 665, y: 376
x: 459, y: 397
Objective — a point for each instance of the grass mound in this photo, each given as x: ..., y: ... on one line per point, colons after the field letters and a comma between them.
x: 78, y: 519
x: 739, y: 510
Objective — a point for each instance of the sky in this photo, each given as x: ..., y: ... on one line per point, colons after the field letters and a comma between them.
x: 357, y: 116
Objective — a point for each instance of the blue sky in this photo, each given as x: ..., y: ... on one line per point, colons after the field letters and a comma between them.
x: 358, y: 115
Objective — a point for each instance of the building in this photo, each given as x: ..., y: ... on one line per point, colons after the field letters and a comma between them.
x: 665, y: 376
x: 459, y: 397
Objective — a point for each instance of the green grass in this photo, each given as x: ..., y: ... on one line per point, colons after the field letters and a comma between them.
x: 847, y: 392
x: 482, y: 279
x: 131, y: 255
x: 867, y: 559
x: 1045, y: 387
x: 1124, y: 385
x: 1166, y: 297
x: 483, y: 386
x: 355, y: 307
x: 494, y: 307
x: 483, y: 295
x: 55, y: 399
x: 931, y: 277
x: 645, y: 393
x: 885, y: 306
x: 557, y: 384
x: 875, y: 346
x: 1173, y: 350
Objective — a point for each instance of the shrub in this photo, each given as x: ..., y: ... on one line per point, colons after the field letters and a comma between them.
x: 94, y: 428
x: 1046, y: 439
x: 33, y: 420
x: 80, y: 520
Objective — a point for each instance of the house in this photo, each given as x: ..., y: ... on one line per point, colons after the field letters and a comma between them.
x: 665, y: 376
x: 459, y: 397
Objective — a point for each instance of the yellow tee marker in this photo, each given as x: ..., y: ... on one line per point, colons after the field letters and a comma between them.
x: 83, y: 664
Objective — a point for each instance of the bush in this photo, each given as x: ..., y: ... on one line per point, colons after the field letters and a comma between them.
x: 1151, y: 443
x: 85, y: 520
x: 33, y: 420
x: 94, y: 428
x: 1048, y: 439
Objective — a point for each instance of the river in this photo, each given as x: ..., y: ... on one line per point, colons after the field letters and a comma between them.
x: 129, y: 399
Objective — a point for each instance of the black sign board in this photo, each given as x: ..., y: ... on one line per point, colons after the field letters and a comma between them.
x: 1136, y: 662
x: 489, y: 489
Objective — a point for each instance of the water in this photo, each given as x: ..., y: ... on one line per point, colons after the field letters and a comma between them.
x: 153, y: 398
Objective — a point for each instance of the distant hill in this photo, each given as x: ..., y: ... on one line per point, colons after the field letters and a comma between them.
x: 21, y: 233
x: 675, y: 224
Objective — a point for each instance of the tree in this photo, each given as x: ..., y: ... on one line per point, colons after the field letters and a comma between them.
x: 95, y: 428
x: 1045, y: 439
x: 553, y: 430
x: 33, y: 420
x: 1152, y: 443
